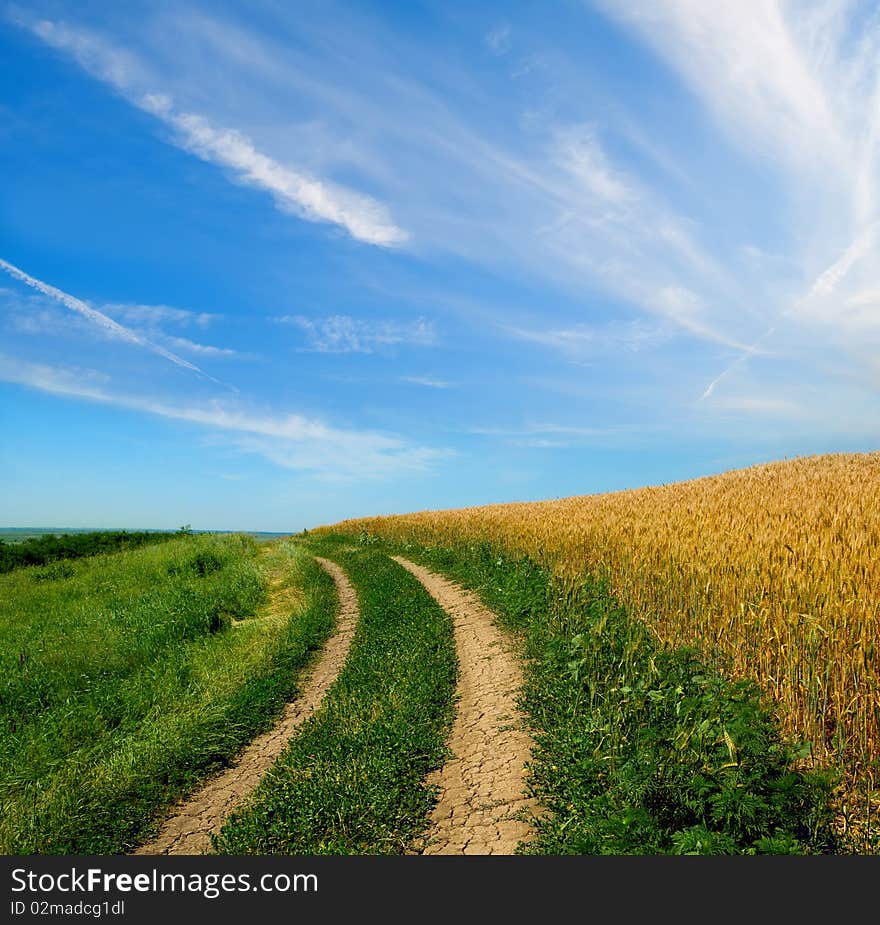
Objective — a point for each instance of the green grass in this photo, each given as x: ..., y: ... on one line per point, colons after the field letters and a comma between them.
x: 127, y: 678
x: 639, y: 749
x: 353, y: 780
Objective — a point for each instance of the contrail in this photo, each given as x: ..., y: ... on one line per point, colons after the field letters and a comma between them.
x: 747, y: 352
x: 99, y: 318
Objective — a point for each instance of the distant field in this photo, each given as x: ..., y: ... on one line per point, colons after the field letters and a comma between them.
x: 126, y: 678
x: 773, y: 572
x: 52, y: 548
x: 18, y: 534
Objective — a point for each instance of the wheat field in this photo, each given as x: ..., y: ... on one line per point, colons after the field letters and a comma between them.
x: 773, y: 571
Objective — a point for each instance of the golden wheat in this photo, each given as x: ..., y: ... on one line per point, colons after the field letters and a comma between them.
x: 776, y: 568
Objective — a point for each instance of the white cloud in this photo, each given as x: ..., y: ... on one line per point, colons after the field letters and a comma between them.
x: 795, y: 83
x: 868, y: 297
x: 761, y: 405
x: 344, y: 334
x: 102, y: 60
x: 151, y: 318
x: 36, y: 316
x: 294, y: 190
x: 552, y: 202
x: 429, y: 156
x: 565, y: 195
x: 614, y: 231
x: 686, y: 309
x: 583, y: 342
x: 548, y: 435
x: 205, y: 350
x: 427, y: 381
x: 579, y: 153
x: 289, y: 440
x: 746, y: 62
x: 156, y: 315
x: 314, y: 200
x: 498, y: 39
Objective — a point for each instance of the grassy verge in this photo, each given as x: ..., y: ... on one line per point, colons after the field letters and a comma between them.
x: 640, y: 749
x: 352, y: 781
x: 127, y: 678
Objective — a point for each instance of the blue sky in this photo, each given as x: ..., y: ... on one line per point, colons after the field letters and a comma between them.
x: 264, y: 266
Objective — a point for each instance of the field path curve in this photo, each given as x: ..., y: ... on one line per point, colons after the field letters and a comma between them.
x: 482, y: 798
x: 189, y: 827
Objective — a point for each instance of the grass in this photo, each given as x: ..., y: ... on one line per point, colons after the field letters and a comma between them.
x: 353, y: 780
x: 127, y: 678
x: 641, y: 749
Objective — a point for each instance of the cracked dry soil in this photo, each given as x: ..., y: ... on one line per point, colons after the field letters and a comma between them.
x: 482, y: 807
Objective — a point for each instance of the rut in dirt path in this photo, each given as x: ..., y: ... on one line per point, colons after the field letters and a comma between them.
x: 188, y: 829
x: 482, y: 787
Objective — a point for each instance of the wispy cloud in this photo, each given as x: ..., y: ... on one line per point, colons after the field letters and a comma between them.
x: 746, y: 62
x: 552, y: 200
x: 579, y: 153
x: 582, y: 342
x: 39, y: 315
x: 793, y: 83
x: 344, y: 334
x: 547, y: 435
x: 595, y: 220
x: 544, y: 428
x: 295, y: 191
x: 544, y: 194
x: 314, y: 200
x: 685, y: 308
x: 152, y: 320
x: 289, y: 440
x: 795, y: 87
x: 498, y: 39
x: 427, y: 381
x: 107, y: 325
x: 768, y: 406
x: 157, y: 315
x: 610, y: 228
x: 186, y: 345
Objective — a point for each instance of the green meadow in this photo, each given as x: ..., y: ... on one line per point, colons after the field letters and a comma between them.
x: 128, y: 678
